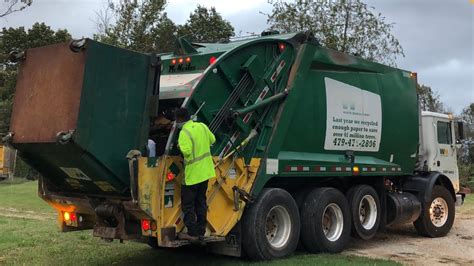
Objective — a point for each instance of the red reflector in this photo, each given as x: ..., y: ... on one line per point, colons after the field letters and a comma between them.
x: 153, y: 226
x: 170, y: 176
x: 173, y: 62
x: 188, y: 59
x: 145, y: 225
x: 281, y: 46
x: 73, y: 217
x: 180, y: 60
x: 212, y: 60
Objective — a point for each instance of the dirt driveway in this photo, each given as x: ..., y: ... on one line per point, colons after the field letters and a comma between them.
x: 403, y: 244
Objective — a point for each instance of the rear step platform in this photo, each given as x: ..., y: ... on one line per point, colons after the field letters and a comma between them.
x: 207, y: 239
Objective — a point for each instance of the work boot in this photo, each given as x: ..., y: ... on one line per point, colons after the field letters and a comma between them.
x: 202, y: 240
x: 186, y: 236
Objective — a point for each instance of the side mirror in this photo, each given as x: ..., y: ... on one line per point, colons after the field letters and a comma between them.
x: 460, y: 130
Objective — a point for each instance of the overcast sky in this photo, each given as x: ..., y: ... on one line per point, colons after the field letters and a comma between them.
x: 437, y: 35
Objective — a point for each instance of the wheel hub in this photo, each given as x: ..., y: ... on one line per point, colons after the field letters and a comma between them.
x: 278, y: 227
x: 367, y: 212
x: 438, y: 212
x: 332, y: 222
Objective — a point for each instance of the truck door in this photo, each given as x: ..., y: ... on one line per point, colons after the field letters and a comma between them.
x: 445, y: 160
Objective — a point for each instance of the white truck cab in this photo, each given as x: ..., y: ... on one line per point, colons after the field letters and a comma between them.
x: 438, y: 146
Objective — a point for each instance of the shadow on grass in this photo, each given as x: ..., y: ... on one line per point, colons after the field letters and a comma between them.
x: 188, y: 255
x: 193, y: 255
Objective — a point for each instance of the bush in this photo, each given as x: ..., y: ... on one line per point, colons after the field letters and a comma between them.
x: 466, y: 175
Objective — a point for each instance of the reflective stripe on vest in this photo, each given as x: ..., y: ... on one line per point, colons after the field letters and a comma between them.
x: 194, y: 158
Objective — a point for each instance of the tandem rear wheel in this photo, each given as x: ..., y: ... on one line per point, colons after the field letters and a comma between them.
x: 271, y: 225
x: 325, y: 221
x: 365, y: 210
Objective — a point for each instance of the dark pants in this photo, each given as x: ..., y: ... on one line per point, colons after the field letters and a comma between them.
x: 193, y: 204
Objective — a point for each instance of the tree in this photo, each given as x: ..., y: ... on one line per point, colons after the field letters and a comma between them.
x: 20, y: 39
x: 467, y: 114
x: 429, y: 99
x: 347, y: 25
x: 466, y: 153
x: 144, y: 26
x: 136, y: 25
x: 206, y: 25
x: 12, y: 6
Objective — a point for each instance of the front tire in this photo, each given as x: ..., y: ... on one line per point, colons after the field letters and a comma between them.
x: 326, y: 222
x: 437, y: 215
x: 271, y: 225
x: 365, y: 209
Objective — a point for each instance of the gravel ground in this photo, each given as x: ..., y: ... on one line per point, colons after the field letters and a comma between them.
x: 404, y: 245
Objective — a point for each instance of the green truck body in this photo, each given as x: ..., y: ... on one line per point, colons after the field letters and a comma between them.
x: 314, y: 117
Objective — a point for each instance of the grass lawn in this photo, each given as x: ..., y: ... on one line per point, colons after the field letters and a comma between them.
x: 38, y: 242
x: 468, y: 206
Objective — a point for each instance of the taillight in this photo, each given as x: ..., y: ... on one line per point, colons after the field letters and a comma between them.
x: 69, y: 217
x: 281, y: 46
x: 145, y: 225
x: 170, y: 176
x: 212, y: 60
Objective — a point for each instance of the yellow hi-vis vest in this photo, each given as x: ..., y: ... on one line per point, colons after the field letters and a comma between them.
x: 195, y: 140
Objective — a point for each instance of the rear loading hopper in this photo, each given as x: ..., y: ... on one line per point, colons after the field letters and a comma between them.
x: 78, y: 109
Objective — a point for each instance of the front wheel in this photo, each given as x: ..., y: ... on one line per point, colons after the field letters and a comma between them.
x: 271, y: 225
x: 437, y: 215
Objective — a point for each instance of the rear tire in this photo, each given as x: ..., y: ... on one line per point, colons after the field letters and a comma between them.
x: 271, y: 225
x: 438, y: 221
x: 326, y: 222
x: 299, y: 197
x: 365, y: 209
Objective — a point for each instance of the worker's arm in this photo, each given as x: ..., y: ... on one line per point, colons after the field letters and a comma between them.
x: 185, y: 144
x: 212, y: 138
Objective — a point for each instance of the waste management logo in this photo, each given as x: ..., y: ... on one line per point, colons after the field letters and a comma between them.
x: 354, y: 118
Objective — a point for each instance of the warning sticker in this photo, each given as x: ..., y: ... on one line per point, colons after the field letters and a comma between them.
x: 104, y: 186
x: 354, y: 118
x: 75, y: 173
x: 75, y: 184
x: 169, y: 195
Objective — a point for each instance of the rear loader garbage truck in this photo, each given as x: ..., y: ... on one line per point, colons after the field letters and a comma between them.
x: 312, y: 145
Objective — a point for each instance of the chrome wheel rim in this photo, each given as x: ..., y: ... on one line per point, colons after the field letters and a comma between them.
x: 367, y: 212
x: 332, y: 222
x: 439, y: 212
x: 278, y: 227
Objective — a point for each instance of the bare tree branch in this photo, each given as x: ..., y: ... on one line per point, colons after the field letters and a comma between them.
x: 12, y: 7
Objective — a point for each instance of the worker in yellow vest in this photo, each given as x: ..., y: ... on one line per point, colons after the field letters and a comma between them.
x: 194, y: 141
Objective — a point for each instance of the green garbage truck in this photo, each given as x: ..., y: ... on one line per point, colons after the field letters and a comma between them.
x: 313, y: 145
